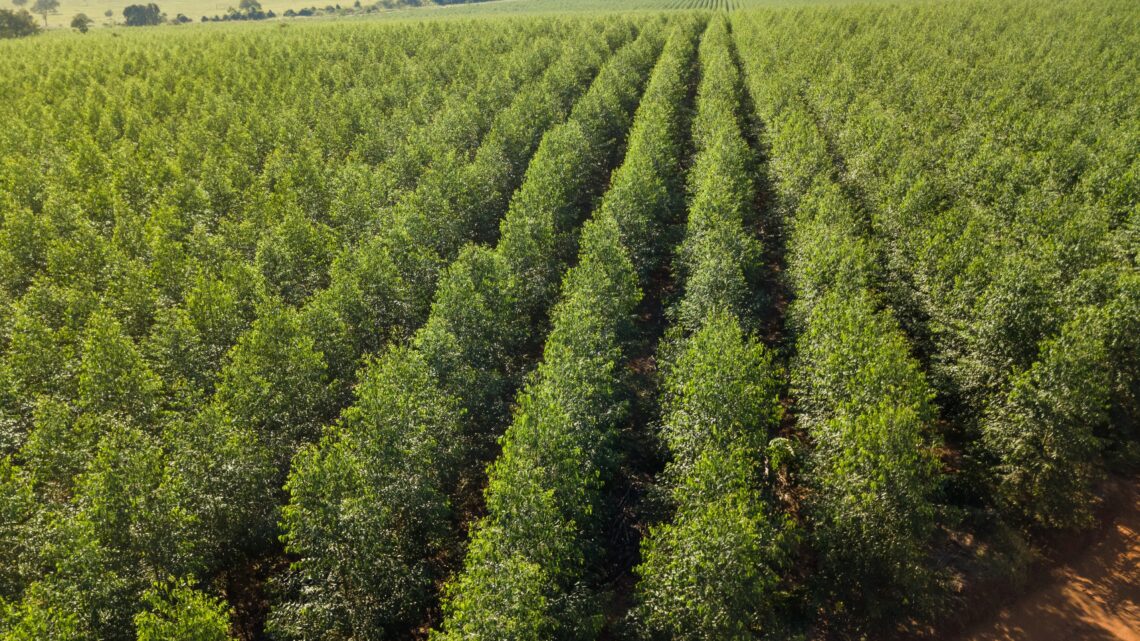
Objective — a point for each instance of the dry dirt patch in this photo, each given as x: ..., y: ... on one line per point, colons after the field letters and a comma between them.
x: 1093, y: 596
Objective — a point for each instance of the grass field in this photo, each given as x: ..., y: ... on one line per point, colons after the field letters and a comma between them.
x: 195, y: 9
x: 554, y: 7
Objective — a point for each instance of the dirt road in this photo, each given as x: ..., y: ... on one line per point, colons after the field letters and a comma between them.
x: 1095, y: 596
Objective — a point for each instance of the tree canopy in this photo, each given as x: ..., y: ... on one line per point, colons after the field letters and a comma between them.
x: 138, y: 15
x: 17, y: 24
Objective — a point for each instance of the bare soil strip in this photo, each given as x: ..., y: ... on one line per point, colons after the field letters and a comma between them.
x: 1092, y: 596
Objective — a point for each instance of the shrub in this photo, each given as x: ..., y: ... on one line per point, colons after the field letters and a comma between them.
x: 17, y: 24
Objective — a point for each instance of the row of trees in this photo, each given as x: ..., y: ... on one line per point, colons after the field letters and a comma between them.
x: 18, y: 24
x: 1004, y: 222
x: 39, y: 7
x: 195, y: 392
x: 712, y: 570
x: 526, y: 570
x: 326, y: 357
x: 1007, y: 275
x: 343, y: 568
x: 15, y: 24
x: 861, y: 397
x: 532, y: 564
x: 320, y: 281
x: 382, y: 289
x: 472, y: 343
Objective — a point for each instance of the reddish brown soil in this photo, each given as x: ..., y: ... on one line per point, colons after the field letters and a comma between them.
x: 1094, y: 595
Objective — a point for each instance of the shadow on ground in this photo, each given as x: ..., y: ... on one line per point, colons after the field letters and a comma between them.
x: 1092, y: 596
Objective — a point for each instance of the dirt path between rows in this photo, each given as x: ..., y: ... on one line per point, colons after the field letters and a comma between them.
x: 1093, y: 596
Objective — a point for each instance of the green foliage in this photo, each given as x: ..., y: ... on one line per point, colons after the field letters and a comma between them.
x: 368, y: 508
x: 275, y: 382
x: 44, y: 7
x: 720, y: 392
x: 203, y: 264
x: 842, y: 335
x: 644, y: 192
x: 81, y: 23
x: 17, y: 527
x: 713, y: 571
x: 544, y: 490
x: 474, y: 319
x: 829, y: 250
x: 861, y: 396
x: 468, y: 335
x: 187, y: 345
x: 525, y: 574
x: 113, y: 378
x: 219, y: 484
x: 206, y: 312
x: 1043, y: 435
x: 538, y: 236
x: 98, y: 559
x: 867, y: 408
x: 1050, y: 432
x: 25, y: 238
x: 34, y: 618
x: 382, y: 289
x: 180, y: 612
x: 139, y: 15
x: 45, y: 330
x: 992, y: 251
x: 294, y: 257
x: 17, y: 24
x: 717, y: 259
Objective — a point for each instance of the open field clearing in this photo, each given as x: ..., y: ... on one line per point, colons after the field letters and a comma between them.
x: 196, y: 9
x: 1094, y: 593
x: 193, y: 9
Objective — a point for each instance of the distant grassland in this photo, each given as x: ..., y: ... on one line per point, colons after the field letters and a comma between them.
x: 508, y: 7
x: 195, y: 9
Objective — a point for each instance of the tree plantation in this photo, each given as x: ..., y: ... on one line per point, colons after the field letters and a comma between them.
x: 652, y: 320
